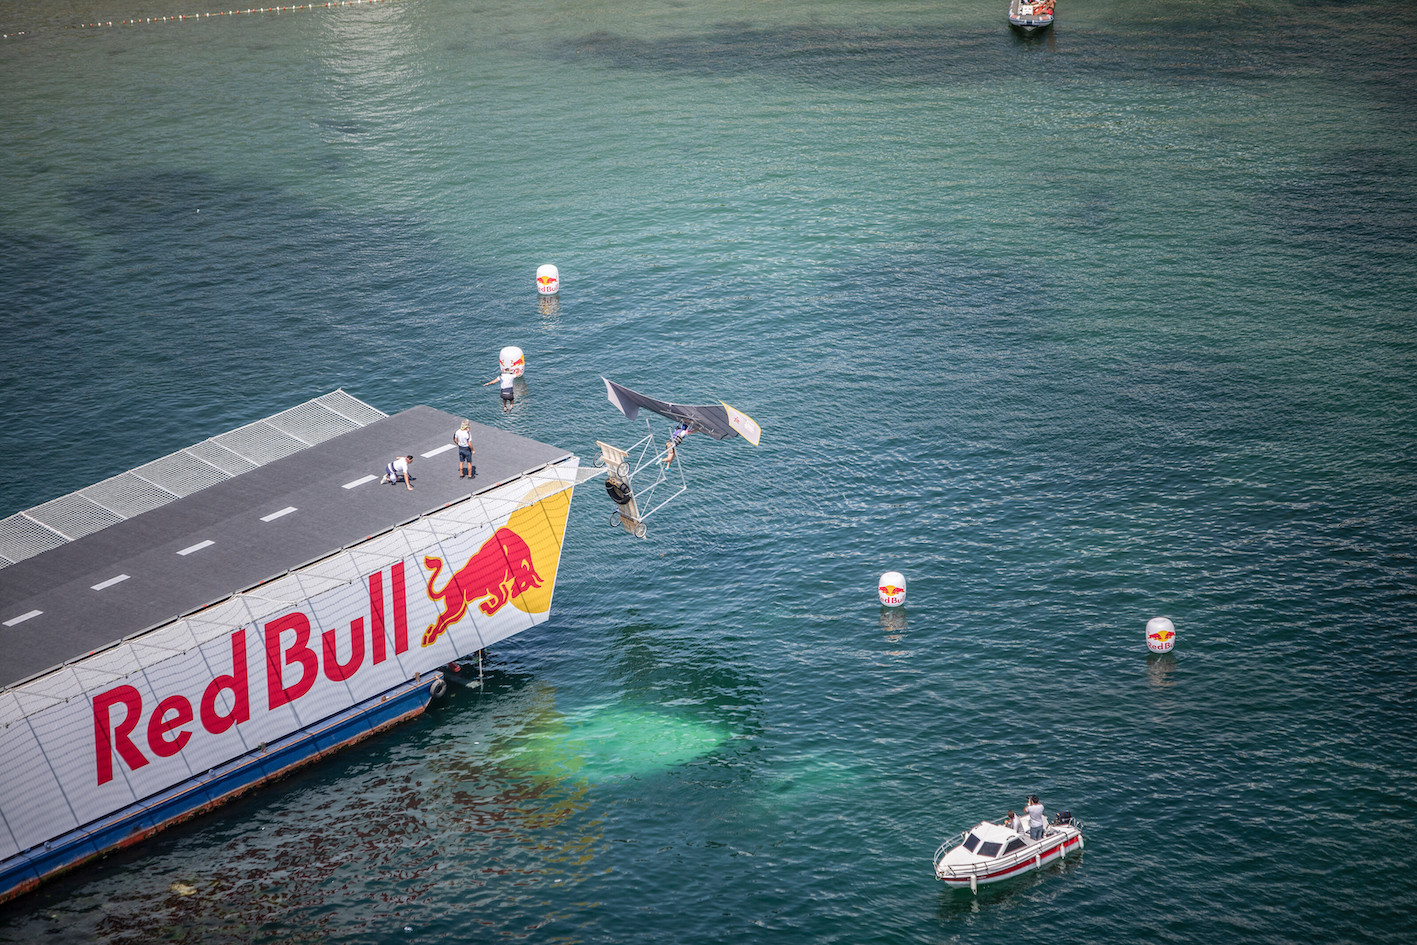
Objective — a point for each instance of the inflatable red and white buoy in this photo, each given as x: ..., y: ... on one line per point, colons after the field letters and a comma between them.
x: 512, y: 361
x: 891, y: 588
x: 1160, y: 635
x: 548, y: 280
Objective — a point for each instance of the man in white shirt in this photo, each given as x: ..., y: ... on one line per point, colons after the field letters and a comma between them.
x: 1035, y: 817
x: 507, y: 379
x: 463, y: 439
x: 397, y: 470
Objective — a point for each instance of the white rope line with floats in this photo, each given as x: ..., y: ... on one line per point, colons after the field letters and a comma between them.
x: 186, y: 17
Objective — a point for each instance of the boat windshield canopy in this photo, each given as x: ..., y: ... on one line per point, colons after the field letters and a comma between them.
x: 992, y: 848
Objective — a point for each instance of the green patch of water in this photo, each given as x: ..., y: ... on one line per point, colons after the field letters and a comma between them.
x: 608, y: 743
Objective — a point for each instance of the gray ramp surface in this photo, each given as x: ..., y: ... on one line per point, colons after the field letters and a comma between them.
x: 76, y: 619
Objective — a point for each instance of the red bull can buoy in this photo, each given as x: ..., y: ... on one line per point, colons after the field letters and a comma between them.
x: 548, y: 280
x: 891, y: 588
x: 512, y: 361
x: 1160, y: 635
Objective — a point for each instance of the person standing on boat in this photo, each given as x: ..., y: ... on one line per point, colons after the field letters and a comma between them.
x: 1035, y: 817
x: 463, y: 439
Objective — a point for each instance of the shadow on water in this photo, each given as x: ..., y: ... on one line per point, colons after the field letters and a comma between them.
x: 892, y: 623
x: 805, y: 53
x: 1351, y: 196
x: 261, y: 237
x: 1039, y: 39
x: 179, y: 284
x: 1160, y: 667
x: 1208, y: 49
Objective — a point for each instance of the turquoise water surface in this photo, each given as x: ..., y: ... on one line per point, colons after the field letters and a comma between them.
x: 1074, y: 331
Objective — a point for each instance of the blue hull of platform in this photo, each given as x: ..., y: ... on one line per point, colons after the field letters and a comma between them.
x: 27, y: 870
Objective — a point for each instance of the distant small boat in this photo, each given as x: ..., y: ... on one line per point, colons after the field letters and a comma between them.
x: 1030, y: 17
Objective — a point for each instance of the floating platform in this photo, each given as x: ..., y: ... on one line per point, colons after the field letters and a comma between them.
x: 183, y: 632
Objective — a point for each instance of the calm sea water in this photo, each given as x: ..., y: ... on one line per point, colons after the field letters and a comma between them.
x: 1073, y: 331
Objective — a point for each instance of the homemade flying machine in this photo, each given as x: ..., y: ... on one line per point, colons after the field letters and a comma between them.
x: 637, y: 479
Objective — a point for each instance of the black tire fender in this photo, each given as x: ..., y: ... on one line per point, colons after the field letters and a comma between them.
x: 618, y: 491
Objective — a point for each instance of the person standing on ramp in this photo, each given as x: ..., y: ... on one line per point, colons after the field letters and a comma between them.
x: 463, y: 439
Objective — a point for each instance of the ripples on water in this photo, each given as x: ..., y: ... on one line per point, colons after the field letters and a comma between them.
x: 1074, y: 332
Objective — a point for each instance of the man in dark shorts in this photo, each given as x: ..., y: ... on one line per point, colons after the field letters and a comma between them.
x: 507, y: 379
x: 463, y: 439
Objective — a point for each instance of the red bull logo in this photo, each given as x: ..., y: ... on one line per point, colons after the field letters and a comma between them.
x: 1160, y: 641
x: 498, y: 571
x: 891, y: 595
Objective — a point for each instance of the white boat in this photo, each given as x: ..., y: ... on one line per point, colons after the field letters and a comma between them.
x: 990, y: 852
x: 1030, y: 17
